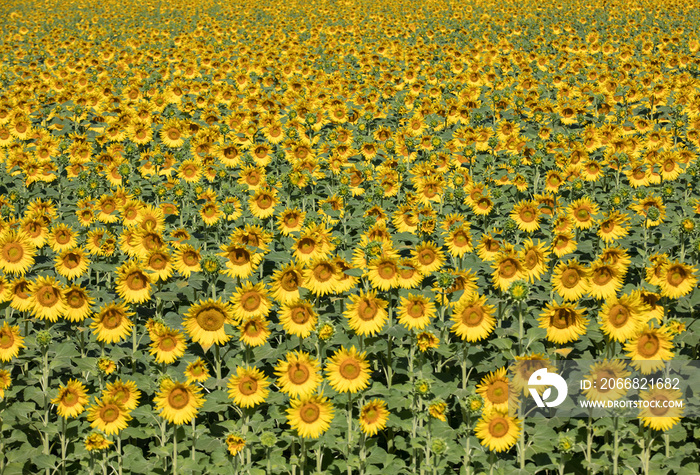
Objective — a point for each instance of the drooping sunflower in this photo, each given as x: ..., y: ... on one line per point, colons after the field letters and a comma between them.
x: 168, y: 344
x: 286, y: 282
x: 366, y: 313
x: 112, y: 323
x: 495, y: 389
x: 649, y: 348
x: 47, y: 298
x: 241, y: 260
x: 497, y: 431
x: 133, y: 283
x: 570, y: 280
x: 298, y: 375
x: 254, y: 330
x: 427, y: 257
x: 473, y: 318
x: 298, y: 317
x: 563, y: 322
x: 249, y: 301
x: 606, y: 370
x: 178, y: 402
x: 126, y: 393
x: 197, y: 371
x: 78, y: 304
x: 534, y: 259
x: 108, y: 415
x: 677, y: 279
x: 10, y: 342
x: 348, y: 370
x: 186, y: 260
x: 604, y: 280
x: 310, y: 416
x: 526, y: 216
x: 96, y: 441
x: 373, y: 417
x: 320, y: 277
x: 205, y: 322
x: 248, y: 387
x: 563, y: 243
x: 507, y: 268
x: 622, y: 318
x: 416, y: 311
x: 16, y: 253
x: 664, y: 410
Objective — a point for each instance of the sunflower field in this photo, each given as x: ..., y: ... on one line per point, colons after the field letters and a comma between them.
x: 339, y: 236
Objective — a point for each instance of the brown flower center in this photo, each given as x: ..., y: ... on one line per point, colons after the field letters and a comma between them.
x: 248, y: 385
x: 367, y: 310
x: 136, y: 280
x: 415, y: 309
x: 602, y: 276
x: 306, y: 245
x: 12, y: 252
x: 75, y: 299
x: 300, y: 315
x: 661, y: 407
x: 7, y: 340
x: 210, y: 319
x: 48, y: 296
x: 497, y: 392
x: 508, y: 268
x: 676, y: 275
x: 619, y: 315
x: 298, y: 373
x: 109, y: 413
x: 250, y: 301
x: 239, y: 256
x: 310, y: 412
x: 426, y: 257
x: 167, y: 344
x: 498, y: 427
x: 190, y: 258
x: 473, y: 315
x: 157, y: 261
x: 570, y: 278
x: 387, y: 270
x: 112, y: 318
x: 349, y: 369
x: 178, y: 398
x: 323, y: 272
x: 562, y: 319
x: 648, y: 345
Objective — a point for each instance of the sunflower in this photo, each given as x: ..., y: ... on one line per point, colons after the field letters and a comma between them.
x: 649, y: 348
x: 248, y: 387
x: 159, y: 263
x: 473, y: 318
x: 47, y: 298
x: 197, y: 371
x: 10, y: 342
x: 286, y: 282
x: 497, y: 430
x: 644, y: 209
x: 488, y: 247
x: 677, y: 279
x: 21, y: 298
x: 582, y: 212
x: 496, y: 391
x: 459, y: 241
x: 298, y: 375
x: 604, y: 280
x: 172, y: 134
x: 298, y: 317
x: 71, y: 263
x: 186, y: 260
x: 5, y: 290
x: 366, y: 313
x: 612, y: 227
x: 290, y: 221
x: 605, y: 370
x: 177, y: 402
x: 108, y: 415
x: 570, y: 280
x: 112, y: 323
x: 656, y: 311
x: 409, y: 275
x: 348, y: 370
x: 622, y: 318
x: 133, y: 283
x: 616, y: 257
x: 344, y: 281
x: 16, y: 253
x: 320, y: 277
x: 254, y: 330
x: 310, y: 416
x: 563, y: 244
x: 534, y: 259
x: 507, y: 268
x: 564, y: 323
x: 523, y: 368
x: 373, y: 417
x: 384, y: 272
x: 416, y: 311
x: 62, y: 237
x: 205, y: 320
x: 241, y: 261
x: 427, y: 258
x: 167, y: 345
x: 5, y: 382
x: 653, y: 272
x: 313, y: 243
x: 664, y: 410
x: 126, y: 393
x: 78, y: 304
x: 526, y: 216
x: 96, y: 441
x: 262, y: 203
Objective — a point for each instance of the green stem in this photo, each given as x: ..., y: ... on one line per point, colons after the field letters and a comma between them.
x: 119, y: 453
x: 467, y: 448
x: 348, y: 450
x: 45, y: 389
x: 217, y: 358
x: 616, y: 443
x: 521, y: 439
x: 64, y: 446
x: 174, y: 450
x: 589, y: 440
x: 194, y: 438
